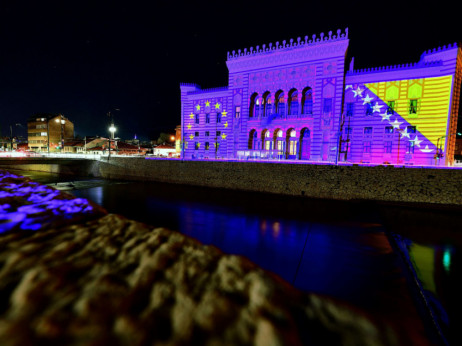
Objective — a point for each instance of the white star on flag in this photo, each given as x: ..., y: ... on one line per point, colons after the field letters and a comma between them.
x: 426, y: 150
x: 396, y: 124
x: 358, y: 92
x: 385, y: 116
x: 367, y: 99
x: 417, y: 141
x: 376, y: 107
x: 404, y: 133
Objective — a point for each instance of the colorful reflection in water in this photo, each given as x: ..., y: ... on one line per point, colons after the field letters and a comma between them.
x: 437, y: 278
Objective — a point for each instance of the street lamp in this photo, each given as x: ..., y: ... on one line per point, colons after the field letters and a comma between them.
x: 112, y: 129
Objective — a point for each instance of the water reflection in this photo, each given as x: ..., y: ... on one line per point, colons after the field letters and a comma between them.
x: 95, y: 194
x: 432, y: 265
x: 350, y: 261
x: 334, y: 248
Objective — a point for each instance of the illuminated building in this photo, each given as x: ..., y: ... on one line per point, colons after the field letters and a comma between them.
x: 303, y: 100
x: 48, y: 130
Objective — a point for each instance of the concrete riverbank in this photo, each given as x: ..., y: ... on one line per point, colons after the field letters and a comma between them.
x: 378, y: 183
x: 73, y: 274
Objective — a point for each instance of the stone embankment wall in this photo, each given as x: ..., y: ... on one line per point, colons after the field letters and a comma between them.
x: 378, y: 183
x: 79, y: 167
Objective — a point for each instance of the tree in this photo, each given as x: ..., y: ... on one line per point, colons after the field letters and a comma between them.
x: 163, y: 138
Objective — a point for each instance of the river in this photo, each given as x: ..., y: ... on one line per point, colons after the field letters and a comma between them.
x: 398, y: 263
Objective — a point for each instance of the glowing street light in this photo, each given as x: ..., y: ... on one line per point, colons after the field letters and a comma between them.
x: 112, y: 129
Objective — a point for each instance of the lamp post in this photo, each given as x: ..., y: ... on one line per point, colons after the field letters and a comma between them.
x: 439, y: 151
x: 11, y: 135
x: 112, y: 129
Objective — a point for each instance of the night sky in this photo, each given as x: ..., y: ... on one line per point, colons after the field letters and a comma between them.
x: 83, y: 59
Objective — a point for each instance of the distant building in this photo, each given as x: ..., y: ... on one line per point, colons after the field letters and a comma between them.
x: 5, y: 143
x: 100, y: 146
x: 303, y: 100
x: 48, y: 131
x: 134, y: 141
x: 74, y: 146
x: 165, y: 150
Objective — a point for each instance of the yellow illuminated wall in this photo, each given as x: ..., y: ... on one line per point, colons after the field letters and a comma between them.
x: 433, y: 101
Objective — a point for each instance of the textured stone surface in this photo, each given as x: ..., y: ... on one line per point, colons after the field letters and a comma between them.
x: 104, y: 279
x: 113, y: 280
x: 379, y: 183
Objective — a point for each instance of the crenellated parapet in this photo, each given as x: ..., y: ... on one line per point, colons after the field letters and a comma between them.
x: 440, y: 49
x: 189, y: 85
x: 420, y: 64
x: 210, y: 90
x: 292, y: 44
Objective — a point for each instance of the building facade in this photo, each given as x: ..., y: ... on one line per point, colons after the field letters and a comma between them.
x: 303, y: 100
x: 47, y: 132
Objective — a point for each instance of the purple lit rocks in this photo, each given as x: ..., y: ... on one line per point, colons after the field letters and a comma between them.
x: 26, y: 205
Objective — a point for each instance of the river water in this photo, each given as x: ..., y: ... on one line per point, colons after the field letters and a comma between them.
x: 394, y: 262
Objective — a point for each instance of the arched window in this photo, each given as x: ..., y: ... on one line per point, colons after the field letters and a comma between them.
x: 305, y: 143
x: 253, y: 100
x: 268, y: 109
x: 268, y: 141
x: 257, y: 106
x: 280, y: 103
x: 253, y: 139
x: 280, y: 143
x: 292, y: 140
x: 307, y: 101
x: 293, y: 102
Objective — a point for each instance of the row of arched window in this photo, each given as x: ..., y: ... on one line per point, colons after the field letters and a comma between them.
x: 266, y: 104
x: 290, y: 144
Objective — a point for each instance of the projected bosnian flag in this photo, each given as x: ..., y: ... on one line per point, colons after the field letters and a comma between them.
x: 409, y: 119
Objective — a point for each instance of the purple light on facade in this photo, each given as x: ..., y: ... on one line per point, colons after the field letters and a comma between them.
x: 296, y: 101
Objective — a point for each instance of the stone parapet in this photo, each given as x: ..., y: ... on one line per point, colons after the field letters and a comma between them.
x: 375, y: 183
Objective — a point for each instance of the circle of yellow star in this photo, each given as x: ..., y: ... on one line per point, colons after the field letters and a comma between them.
x: 207, y: 103
x: 198, y: 107
x: 223, y: 114
x: 191, y: 116
x: 223, y: 136
x: 189, y: 126
x: 217, y: 106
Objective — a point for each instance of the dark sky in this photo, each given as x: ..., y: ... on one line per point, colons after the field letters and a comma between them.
x: 83, y: 59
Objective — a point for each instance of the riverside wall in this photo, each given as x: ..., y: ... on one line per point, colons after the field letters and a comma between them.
x: 375, y: 183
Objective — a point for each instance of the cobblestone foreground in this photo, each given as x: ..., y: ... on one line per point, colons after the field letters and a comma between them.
x: 72, y: 274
